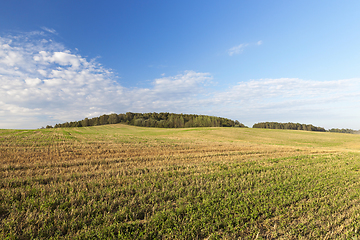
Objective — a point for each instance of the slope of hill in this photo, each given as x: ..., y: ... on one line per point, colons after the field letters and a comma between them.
x: 121, y: 181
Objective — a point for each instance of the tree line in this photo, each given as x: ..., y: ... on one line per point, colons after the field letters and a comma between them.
x: 292, y: 126
x: 160, y: 120
x: 299, y: 126
x: 344, y: 130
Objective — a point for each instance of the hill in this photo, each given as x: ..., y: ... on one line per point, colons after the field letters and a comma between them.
x: 121, y: 181
x: 160, y: 120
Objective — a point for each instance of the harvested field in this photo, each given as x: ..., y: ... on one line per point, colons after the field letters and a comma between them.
x: 119, y: 181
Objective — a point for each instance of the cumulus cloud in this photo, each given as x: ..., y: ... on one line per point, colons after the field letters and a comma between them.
x: 42, y: 79
x: 42, y: 82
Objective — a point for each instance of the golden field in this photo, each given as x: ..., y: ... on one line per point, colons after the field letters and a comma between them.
x: 125, y: 182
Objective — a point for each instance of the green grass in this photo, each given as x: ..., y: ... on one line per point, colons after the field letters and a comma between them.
x: 125, y: 182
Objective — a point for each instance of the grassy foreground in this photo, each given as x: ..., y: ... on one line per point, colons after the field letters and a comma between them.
x: 125, y: 182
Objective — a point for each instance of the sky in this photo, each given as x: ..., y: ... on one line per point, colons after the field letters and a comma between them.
x: 252, y: 61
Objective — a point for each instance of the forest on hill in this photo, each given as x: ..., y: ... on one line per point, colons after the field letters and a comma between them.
x: 291, y: 126
x: 173, y: 120
x: 299, y: 126
x: 160, y: 120
x: 344, y: 130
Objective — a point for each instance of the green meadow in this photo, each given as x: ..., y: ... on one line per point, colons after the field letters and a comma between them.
x: 125, y: 182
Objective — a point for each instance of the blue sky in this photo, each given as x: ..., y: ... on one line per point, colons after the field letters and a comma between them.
x: 252, y: 61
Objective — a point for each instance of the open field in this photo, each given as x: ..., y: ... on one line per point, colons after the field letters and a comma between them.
x: 119, y: 181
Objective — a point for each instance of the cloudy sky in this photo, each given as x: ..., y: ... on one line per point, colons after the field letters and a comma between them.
x: 254, y: 61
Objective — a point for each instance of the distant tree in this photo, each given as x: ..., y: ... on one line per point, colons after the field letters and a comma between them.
x: 129, y: 116
x: 95, y: 122
x: 85, y: 122
x: 103, y: 119
x: 161, y: 124
x: 113, y: 118
x: 138, y: 122
x: 181, y: 122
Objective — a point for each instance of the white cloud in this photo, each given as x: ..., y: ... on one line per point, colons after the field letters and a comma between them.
x: 62, y: 58
x: 186, y: 83
x: 42, y: 72
x: 52, y: 84
x: 237, y: 49
x: 42, y: 82
x: 240, y: 48
x: 32, y: 81
x: 326, y: 103
x: 50, y: 30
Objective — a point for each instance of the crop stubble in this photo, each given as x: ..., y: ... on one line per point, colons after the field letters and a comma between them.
x: 126, y: 182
